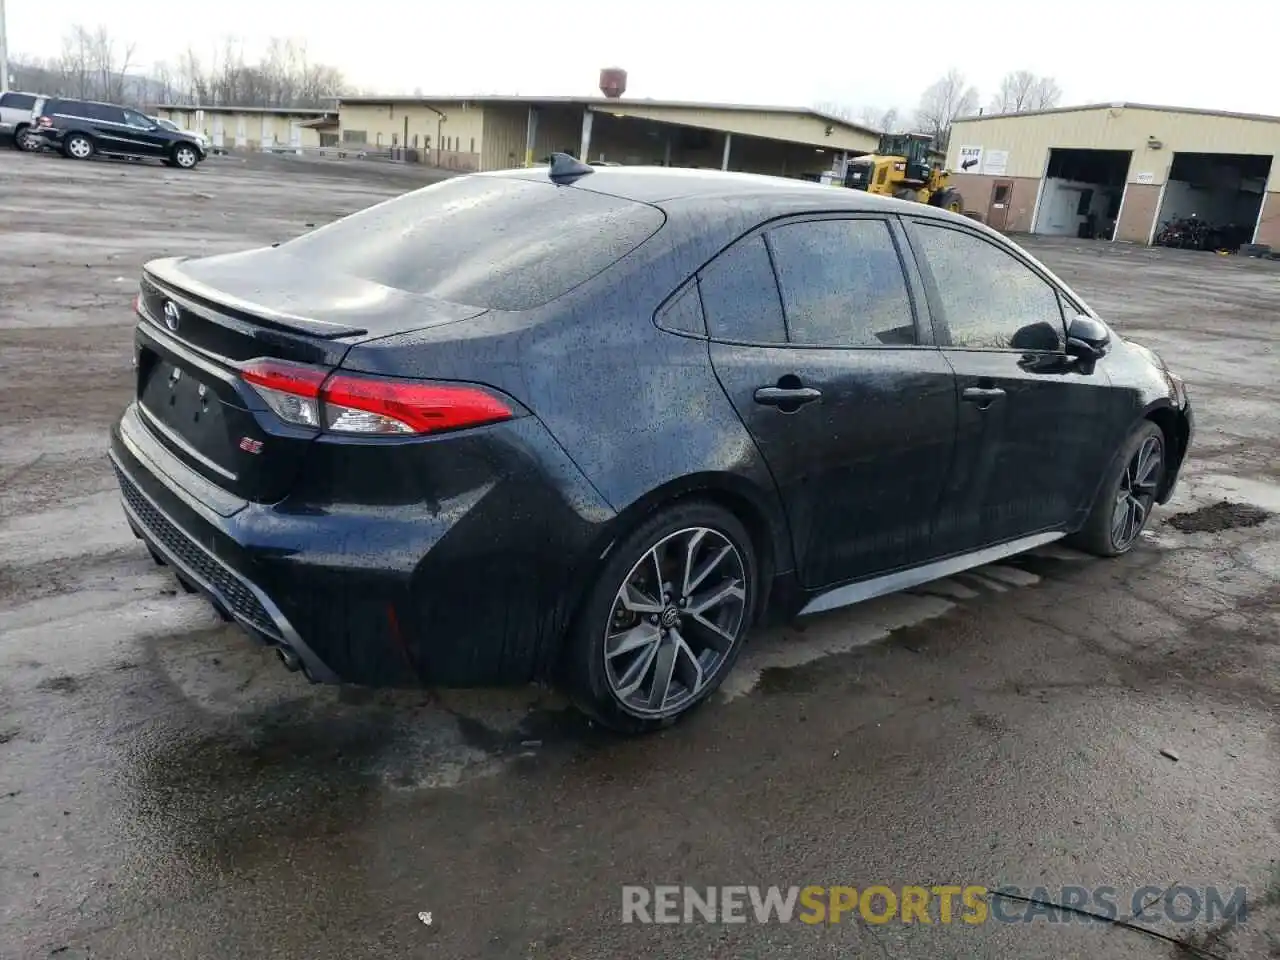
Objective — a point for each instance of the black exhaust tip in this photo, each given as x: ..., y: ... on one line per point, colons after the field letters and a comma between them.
x: 291, y: 661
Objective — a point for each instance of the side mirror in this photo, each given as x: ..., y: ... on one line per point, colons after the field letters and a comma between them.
x: 1087, y: 338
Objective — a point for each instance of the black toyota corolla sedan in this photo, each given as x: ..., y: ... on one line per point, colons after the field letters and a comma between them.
x: 589, y: 425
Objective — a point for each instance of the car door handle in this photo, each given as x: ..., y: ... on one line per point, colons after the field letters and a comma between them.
x: 787, y: 396
x: 983, y: 396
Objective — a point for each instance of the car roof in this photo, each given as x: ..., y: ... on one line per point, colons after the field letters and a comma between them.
x: 662, y: 185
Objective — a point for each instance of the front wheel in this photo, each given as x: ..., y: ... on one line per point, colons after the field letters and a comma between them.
x: 950, y: 199
x: 185, y: 157
x: 1124, y: 503
x: 665, y: 620
x: 78, y: 147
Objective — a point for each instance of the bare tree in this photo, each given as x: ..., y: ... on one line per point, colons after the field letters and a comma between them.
x: 942, y: 103
x: 1022, y: 90
x: 885, y: 120
x: 284, y: 77
x: 877, y: 118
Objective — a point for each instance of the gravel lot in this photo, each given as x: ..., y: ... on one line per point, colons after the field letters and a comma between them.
x: 167, y: 790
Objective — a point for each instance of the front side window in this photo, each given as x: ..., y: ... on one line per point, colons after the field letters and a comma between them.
x: 740, y: 295
x: 842, y: 284
x: 990, y: 300
x: 136, y: 120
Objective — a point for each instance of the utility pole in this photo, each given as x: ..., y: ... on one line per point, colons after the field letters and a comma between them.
x: 4, y: 52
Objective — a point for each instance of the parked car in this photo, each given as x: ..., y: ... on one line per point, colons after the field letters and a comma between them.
x: 16, y: 119
x: 81, y: 128
x: 590, y: 424
x: 195, y: 135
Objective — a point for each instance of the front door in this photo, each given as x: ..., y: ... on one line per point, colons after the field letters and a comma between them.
x: 1001, y: 197
x: 1034, y: 424
x: 146, y: 137
x: 815, y: 341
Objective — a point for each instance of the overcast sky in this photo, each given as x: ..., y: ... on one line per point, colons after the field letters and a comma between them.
x: 794, y: 53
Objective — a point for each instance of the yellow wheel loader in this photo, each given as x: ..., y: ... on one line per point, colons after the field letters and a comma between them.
x: 904, y: 166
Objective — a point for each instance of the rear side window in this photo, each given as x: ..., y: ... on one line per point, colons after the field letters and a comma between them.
x: 17, y: 101
x: 101, y: 111
x: 483, y: 241
x: 740, y: 295
x: 842, y: 284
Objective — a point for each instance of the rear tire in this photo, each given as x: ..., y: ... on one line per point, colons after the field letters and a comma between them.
x: 24, y: 140
x: 903, y: 193
x: 1127, y: 496
x: 644, y: 652
x: 78, y: 147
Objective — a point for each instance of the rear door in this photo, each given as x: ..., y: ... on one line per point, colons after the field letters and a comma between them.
x: 815, y: 340
x: 1034, y: 430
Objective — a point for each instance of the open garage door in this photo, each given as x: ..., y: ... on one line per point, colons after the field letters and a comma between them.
x: 1082, y: 193
x: 1212, y: 201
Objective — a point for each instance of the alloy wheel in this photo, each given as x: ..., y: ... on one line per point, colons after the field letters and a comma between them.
x: 1137, y: 492
x: 186, y: 158
x: 80, y: 148
x: 27, y: 141
x: 676, y: 618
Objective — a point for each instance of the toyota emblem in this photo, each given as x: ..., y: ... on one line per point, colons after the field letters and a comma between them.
x: 171, y: 315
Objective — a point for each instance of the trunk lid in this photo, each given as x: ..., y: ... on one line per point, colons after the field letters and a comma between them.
x: 200, y: 320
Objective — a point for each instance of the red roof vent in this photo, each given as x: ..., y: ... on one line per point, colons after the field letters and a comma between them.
x: 613, y: 82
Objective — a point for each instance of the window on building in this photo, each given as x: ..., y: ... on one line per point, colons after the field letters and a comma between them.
x: 355, y: 136
x: 415, y: 141
x: 379, y: 140
x: 990, y: 300
x: 395, y: 139
x: 842, y: 284
x: 740, y: 295
x: 473, y: 144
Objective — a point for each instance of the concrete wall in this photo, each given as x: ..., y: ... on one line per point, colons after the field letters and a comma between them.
x: 975, y: 189
x: 1269, y: 222
x: 1141, y: 201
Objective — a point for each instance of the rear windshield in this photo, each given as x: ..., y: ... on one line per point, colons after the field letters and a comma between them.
x: 485, y: 241
x: 17, y: 101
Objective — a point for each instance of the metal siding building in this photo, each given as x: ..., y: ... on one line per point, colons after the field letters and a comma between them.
x: 493, y: 133
x: 1017, y: 151
x: 248, y: 128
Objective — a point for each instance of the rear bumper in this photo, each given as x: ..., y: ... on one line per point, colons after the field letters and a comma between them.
x: 454, y: 563
x: 234, y: 597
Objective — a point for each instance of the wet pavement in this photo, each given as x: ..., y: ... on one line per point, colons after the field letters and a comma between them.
x: 168, y: 790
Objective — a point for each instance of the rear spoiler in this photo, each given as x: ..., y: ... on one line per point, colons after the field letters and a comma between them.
x: 168, y: 277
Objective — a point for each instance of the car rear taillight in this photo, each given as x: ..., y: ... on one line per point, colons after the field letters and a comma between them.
x: 353, y: 403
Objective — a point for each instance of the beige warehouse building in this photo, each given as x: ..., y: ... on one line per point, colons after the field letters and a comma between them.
x: 1118, y: 171
x: 494, y: 133
x: 253, y: 128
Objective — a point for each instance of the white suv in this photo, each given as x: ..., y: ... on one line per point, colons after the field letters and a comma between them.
x: 15, y: 118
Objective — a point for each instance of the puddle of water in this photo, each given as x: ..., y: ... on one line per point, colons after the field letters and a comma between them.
x: 837, y: 632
